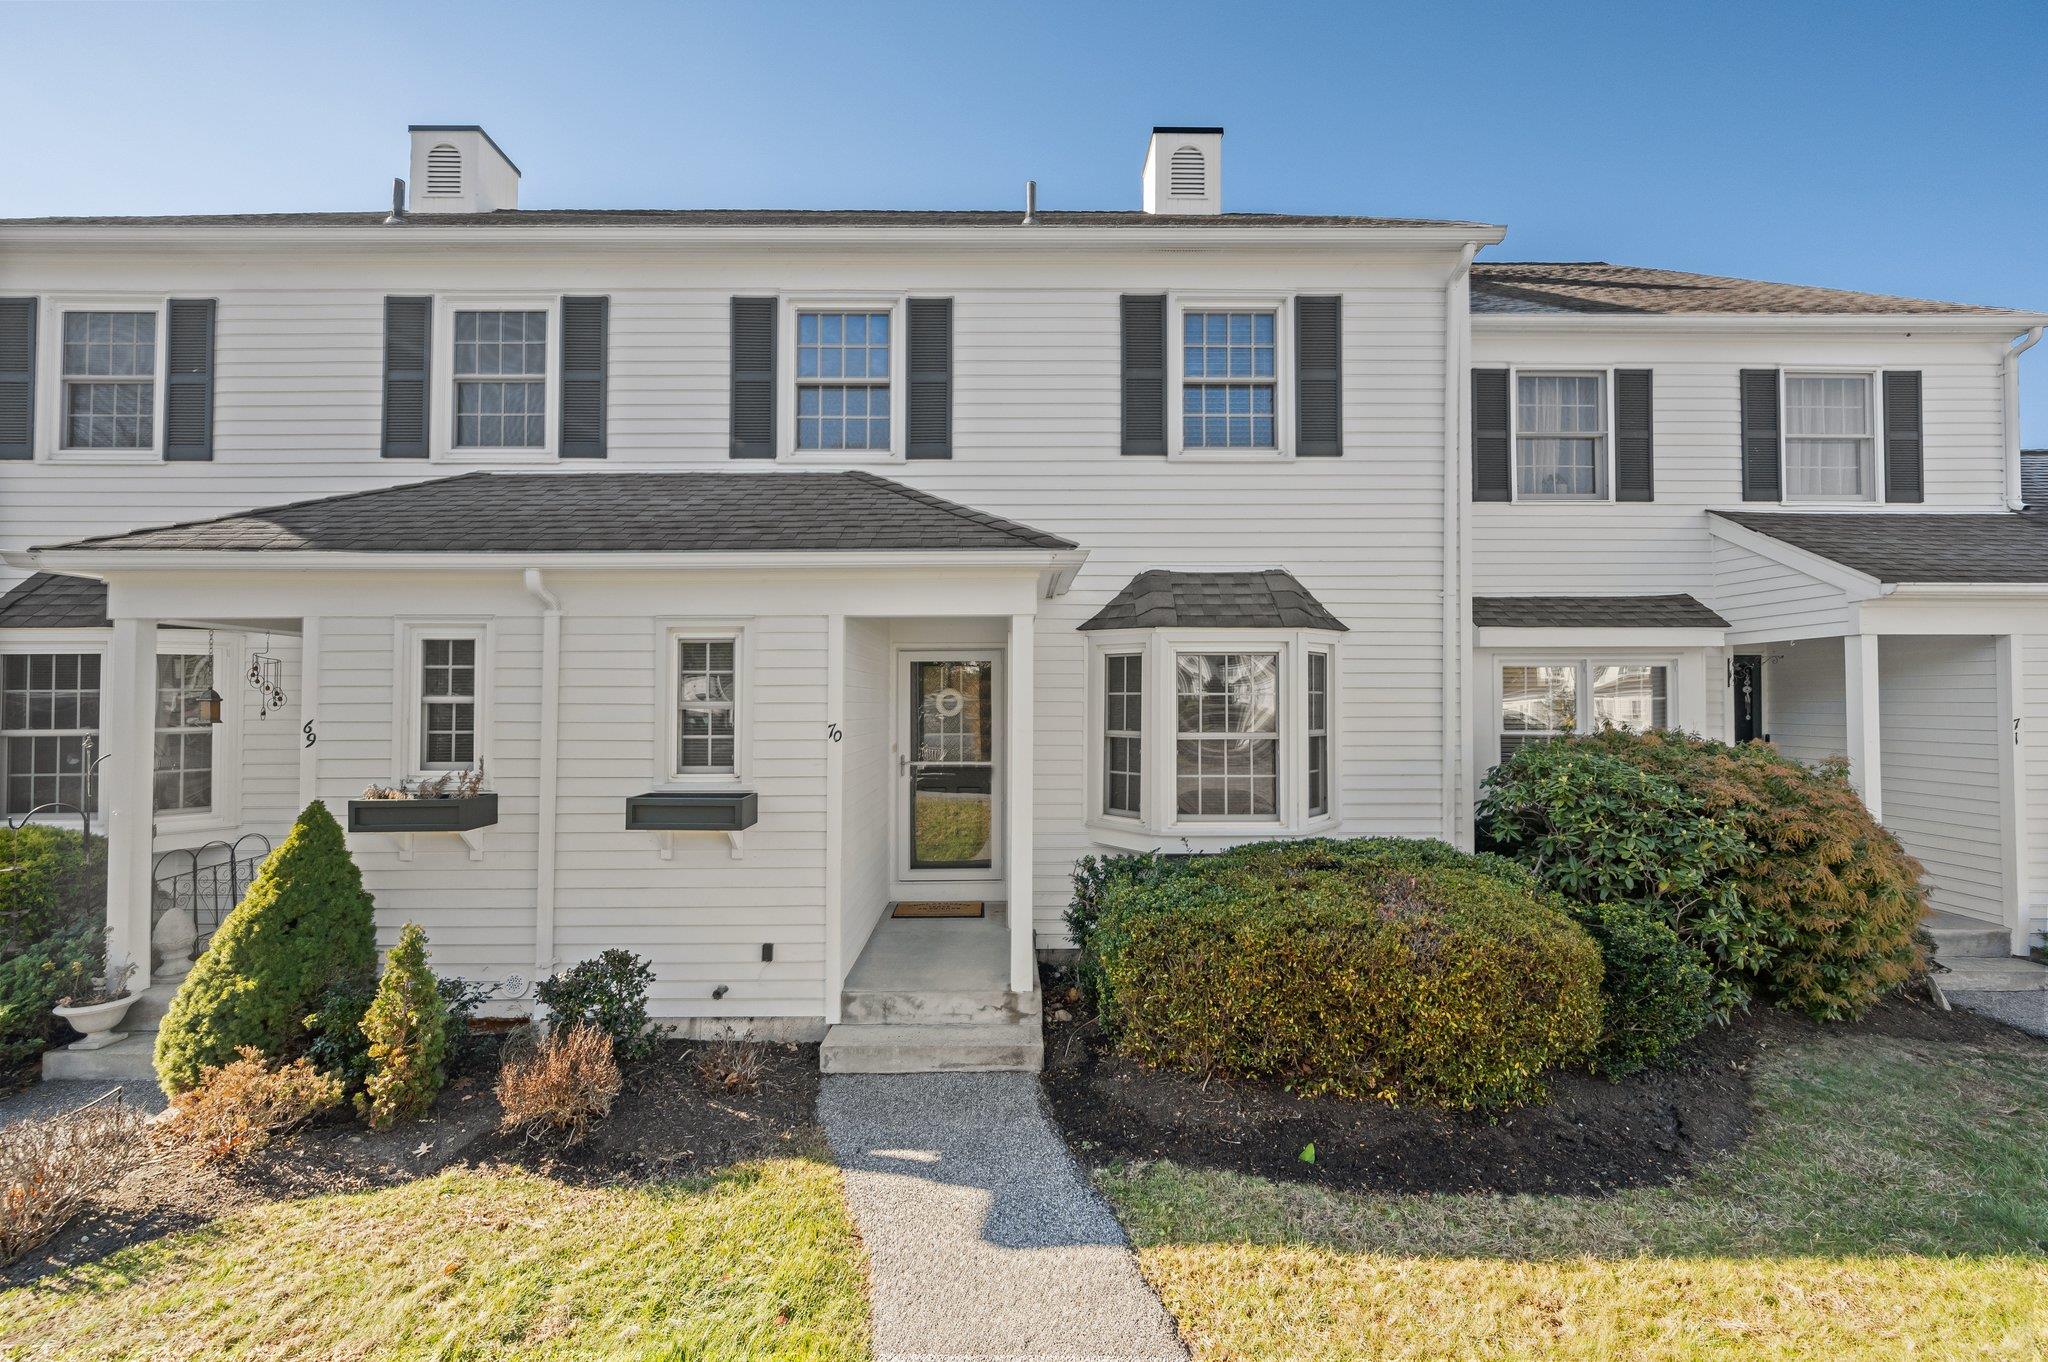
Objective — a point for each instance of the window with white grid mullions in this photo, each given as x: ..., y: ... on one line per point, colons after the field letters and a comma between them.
x: 842, y: 380
x: 49, y: 706
x: 1226, y: 753
x: 109, y: 380
x: 1123, y: 757
x: 501, y: 391
x: 1830, y: 453
x: 184, y: 738
x: 1560, y: 437
x: 447, y: 704
x: 1318, y: 733
x: 1227, y: 380
x: 706, y: 697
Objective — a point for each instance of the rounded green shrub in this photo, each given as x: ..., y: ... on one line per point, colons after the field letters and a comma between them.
x: 407, y: 1028
x: 1659, y: 990
x: 1364, y: 970
x: 609, y: 993
x: 1772, y: 868
x: 304, y: 924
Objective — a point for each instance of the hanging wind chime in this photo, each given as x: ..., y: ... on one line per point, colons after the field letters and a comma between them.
x: 266, y: 678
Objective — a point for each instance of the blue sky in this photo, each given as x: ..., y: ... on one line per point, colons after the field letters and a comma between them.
x: 1900, y: 148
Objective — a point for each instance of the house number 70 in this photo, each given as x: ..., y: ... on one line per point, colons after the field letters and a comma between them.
x: 832, y: 732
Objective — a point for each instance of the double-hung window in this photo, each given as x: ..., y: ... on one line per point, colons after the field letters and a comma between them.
x: 1227, y: 739
x: 1553, y: 699
x: 49, y: 708
x: 109, y: 380
x: 1830, y: 440
x: 1318, y: 732
x: 842, y: 380
x: 448, y: 703
x: 1229, y: 379
x: 184, y: 736
x: 500, y: 377
x: 1123, y: 726
x: 1561, y: 444
x: 707, y: 706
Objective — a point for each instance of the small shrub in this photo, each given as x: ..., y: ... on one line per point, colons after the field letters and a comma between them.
x: 730, y: 1063
x: 304, y: 924
x: 1400, y: 971
x: 467, y: 1046
x: 609, y: 993
x: 561, y: 1087
x: 240, y: 1107
x: 31, y: 983
x: 56, y: 883
x: 407, y: 1027
x: 335, y: 1040
x: 50, y: 1168
x: 1659, y: 991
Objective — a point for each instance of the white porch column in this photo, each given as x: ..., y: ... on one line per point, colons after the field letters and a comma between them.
x: 2012, y: 788
x: 127, y: 738
x: 1017, y: 797
x: 836, y: 963
x: 1859, y: 690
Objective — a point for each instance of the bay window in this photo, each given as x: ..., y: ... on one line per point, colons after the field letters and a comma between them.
x: 1226, y: 747
x: 1123, y: 724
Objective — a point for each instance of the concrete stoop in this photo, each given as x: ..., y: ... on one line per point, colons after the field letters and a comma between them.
x: 131, y: 1058
x: 1960, y: 938
x: 952, y: 1046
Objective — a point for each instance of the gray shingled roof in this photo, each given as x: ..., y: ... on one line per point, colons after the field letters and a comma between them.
x: 50, y: 601
x: 1268, y: 599
x: 1914, y: 546
x: 689, y: 512
x: 1593, y: 612
x: 2034, y: 479
x: 744, y: 217
x: 1594, y: 286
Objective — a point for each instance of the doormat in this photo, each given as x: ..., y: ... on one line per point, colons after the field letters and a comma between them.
x: 940, y: 908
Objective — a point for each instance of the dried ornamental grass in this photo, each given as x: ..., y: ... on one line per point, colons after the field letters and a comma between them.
x: 50, y: 1168
x: 731, y: 1063
x: 240, y: 1107
x: 562, y: 1087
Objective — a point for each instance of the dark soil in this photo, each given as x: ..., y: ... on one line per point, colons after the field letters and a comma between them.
x: 678, y: 1117
x: 1590, y: 1136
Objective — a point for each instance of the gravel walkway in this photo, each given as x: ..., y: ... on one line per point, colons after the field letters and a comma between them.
x: 986, y: 1240
x: 48, y: 1099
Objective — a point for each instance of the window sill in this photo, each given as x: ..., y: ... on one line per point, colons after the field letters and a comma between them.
x: 512, y: 454
x: 1234, y: 456
x: 1204, y: 837
x: 685, y: 784
x: 841, y: 456
x: 131, y: 458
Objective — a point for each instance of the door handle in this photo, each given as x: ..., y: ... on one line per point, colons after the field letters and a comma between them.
x: 902, y: 763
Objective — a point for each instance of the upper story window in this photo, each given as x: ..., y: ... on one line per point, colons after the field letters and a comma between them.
x: 707, y: 704
x: 842, y: 380
x: 1830, y: 445
x: 1229, y: 379
x: 109, y: 377
x: 500, y: 368
x: 49, y: 708
x: 1560, y: 437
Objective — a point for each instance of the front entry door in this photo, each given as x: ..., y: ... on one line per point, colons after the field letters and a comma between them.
x: 1748, y: 675
x: 947, y: 767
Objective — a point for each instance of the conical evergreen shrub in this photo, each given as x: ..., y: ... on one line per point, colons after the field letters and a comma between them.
x: 305, y: 923
x: 407, y: 1026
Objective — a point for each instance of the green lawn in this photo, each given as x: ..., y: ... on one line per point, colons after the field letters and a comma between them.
x: 1892, y: 1204
x: 760, y: 1261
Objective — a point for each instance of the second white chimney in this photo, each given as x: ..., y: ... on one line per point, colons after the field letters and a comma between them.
x: 1184, y: 171
x: 457, y: 168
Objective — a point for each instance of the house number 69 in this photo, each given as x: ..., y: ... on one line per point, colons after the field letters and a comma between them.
x: 311, y: 738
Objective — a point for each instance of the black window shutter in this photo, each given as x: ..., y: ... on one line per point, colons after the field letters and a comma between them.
x: 585, y: 351
x: 930, y: 434
x: 17, y: 378
x: 1493, y: 463
x: 1319, y: 377
x: 1760, y: 435
x: 188, y: 372
x: 1144, y: 365
x: 407, y: 323
x: 1635, y: 457
x: 1903, y: 476
x: 753, y: 378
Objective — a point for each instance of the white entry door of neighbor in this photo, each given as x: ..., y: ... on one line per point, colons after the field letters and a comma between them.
x: 949, y: 789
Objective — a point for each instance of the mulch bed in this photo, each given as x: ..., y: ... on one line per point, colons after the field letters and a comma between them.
x: 1590, y: 1136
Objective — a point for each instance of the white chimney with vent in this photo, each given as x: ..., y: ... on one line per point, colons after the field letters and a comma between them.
x: 1184, y: 171
x: 457, y: 168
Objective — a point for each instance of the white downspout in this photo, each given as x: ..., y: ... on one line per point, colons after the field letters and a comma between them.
x: 2020, y: 346
x: 1457, y: 328
x: 550, y: 762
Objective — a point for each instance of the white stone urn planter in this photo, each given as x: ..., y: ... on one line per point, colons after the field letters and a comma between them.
x: 96, y: 1021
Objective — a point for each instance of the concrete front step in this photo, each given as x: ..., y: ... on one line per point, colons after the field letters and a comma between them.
x: 933, y: 1047
x: 915, y: 1006
x: 133, y: 1057
x: 1957, y: 938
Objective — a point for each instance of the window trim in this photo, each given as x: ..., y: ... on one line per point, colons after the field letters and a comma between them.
x: 50, y: 446
x: 669, y: 635
x: 1873, y: 409
x: 1604, y: 471
x: 897, y: 306
x: 409, y: 700
x: 441, y: 378
x: 1161, y: 822
x: 1281, y: 305
x: 1677, y: 717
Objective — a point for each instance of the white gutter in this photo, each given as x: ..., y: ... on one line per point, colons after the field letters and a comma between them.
x: 2021, y: 344
x: 1457, y: 558
x: 89, y: 560
x: 550, y: 766
x: 1773, y: 324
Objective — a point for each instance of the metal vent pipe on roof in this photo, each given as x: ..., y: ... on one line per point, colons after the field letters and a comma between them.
x: 1030, y: 203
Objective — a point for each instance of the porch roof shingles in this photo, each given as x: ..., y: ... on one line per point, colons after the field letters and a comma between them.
x: 1267, y: 599
x: 1593, y: 612
x: 1515, y: 287
x: 1916, y: 546
x: 49, y: 600
x: 541, y: 513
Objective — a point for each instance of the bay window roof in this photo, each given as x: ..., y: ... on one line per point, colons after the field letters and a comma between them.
x: 1269, y: 598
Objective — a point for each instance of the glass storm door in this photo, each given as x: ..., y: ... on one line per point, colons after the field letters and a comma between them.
x: 950, y: 764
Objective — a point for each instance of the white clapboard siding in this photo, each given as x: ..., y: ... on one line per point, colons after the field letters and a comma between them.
x: 1754, y: 593
x: 1939, y: 737
x: 1804, y: 709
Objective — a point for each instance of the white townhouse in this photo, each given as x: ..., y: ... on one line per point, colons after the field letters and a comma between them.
x: 786, y: 573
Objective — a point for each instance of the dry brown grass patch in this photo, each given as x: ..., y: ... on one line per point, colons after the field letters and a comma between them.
x: 50, y: 1168
x: 562, y: 1087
